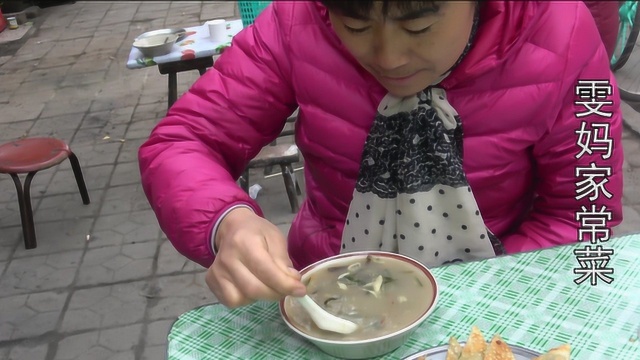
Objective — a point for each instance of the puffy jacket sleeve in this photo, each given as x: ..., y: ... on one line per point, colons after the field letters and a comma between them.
x: 552, y: 220
x: 190, y: 163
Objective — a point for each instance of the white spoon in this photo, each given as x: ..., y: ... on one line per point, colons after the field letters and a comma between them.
x: 324, y: 319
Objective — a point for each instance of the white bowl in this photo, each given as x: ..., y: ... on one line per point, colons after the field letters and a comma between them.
x: 368, y: 348
x: 156, y: 45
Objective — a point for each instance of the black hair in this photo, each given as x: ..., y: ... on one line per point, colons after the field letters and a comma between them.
x: 362, y: 8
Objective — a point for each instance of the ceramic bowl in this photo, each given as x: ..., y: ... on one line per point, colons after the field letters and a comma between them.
x: 157, y: 45
x: 372, y: 347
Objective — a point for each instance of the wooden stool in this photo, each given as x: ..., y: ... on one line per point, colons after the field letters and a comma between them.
x: 28, y: 156
x: 281, y: 154
x: 173, y: 68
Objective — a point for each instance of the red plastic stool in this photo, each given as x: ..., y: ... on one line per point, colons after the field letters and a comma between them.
x: 28, y: 156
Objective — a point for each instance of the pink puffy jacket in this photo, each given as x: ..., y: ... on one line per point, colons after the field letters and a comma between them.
x: 514, y: 91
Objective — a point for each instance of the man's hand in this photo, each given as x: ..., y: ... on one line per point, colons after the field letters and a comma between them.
x: 252, y: 262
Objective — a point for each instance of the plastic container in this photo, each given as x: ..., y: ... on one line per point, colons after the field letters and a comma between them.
x: 249, y: 10
x: 13, y: 23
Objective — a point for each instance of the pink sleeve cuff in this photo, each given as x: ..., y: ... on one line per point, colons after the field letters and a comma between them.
x: 220, y: 218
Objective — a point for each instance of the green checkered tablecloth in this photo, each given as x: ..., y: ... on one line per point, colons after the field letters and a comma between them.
x: 529, y: 298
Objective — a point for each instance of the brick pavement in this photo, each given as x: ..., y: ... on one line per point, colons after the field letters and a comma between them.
x: 114, y: 295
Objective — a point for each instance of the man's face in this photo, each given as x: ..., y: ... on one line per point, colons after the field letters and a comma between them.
x: 407, y: 50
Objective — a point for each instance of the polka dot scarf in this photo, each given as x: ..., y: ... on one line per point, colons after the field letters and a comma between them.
x: 412, y: 196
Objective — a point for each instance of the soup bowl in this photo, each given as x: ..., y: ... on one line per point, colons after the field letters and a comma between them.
x: 388, y: 295
x: 155, y: 45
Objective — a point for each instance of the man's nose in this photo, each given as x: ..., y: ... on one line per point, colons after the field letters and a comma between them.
x: 390, y: 54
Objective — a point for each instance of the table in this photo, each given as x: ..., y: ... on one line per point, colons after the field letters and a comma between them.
x: 194, y: 52
x: 529, y: 298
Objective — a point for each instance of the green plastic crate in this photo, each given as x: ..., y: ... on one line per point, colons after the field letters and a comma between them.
x: 249, y: 10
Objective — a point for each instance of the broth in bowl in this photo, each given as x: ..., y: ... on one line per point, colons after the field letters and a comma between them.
x: 382, y: 294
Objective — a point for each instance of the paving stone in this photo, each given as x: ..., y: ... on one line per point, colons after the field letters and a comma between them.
x: 58, y: 236
x: 118, y: 16
x: 124, y: 198
x: 91, y: 62
x: 102, y: 119
x: 20, y: 112
x: 150, y: 15
x: 631, y: 193
x: 114, y: 88
x: 27, y: 350
x: 149, y: 6
x: 95, y: 177
x: 20, y: 63
x: 105, y: 44
x: 87, y: 78
x: 34, y: 92
x: 124, y: 228
x: 126, y: 173
x: 14, y: 79
x: 49, y: 74
x: 120, y: 339
x: 149, y: 111
x: 142, y: 129
x: 111, y: 344
x: 157, y: 332
x: 11, y: 237
x: 35, y: 49
x: 69, y: 47
x: 5, y: 95
x: 632, y: 153
x: 61, y: 122
x: 40, y: 273
x: 179, y: 294
x: 61, y: 19
x: 159, y: 98
x: 64, y: 106
x: 50, y: 36
x: 77, y: 31
x: 117, y: 263
x: 15, y: 130
x: 111, y: 26
x: 66, y: 207
x: 10, y: 212
x: 113, y: 102
x: 107, y: 133
x: 630, y: 222
x: 81, y: 346
x: 154, y: 352
x: 130, y: 149
x: 216, y: 10
x: 170, y: 261
x: 100, y: 153
x: 95, y: 11
x: 182, y: 20
x: 105, y: 307
x: 30, y: 315
x: 4, y: 59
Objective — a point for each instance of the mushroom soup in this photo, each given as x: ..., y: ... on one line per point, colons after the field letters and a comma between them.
x: 380, y: 294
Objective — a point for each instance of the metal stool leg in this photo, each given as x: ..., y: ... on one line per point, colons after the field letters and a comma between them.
x: 26, y: 213
x: 244, y: 181
x: 289, y: 185
x: 173, y: 89
x: 295, y: 180
x: 77, y: 171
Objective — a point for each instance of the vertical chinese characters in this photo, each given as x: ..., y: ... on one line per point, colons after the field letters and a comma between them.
x: 593, y: 139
